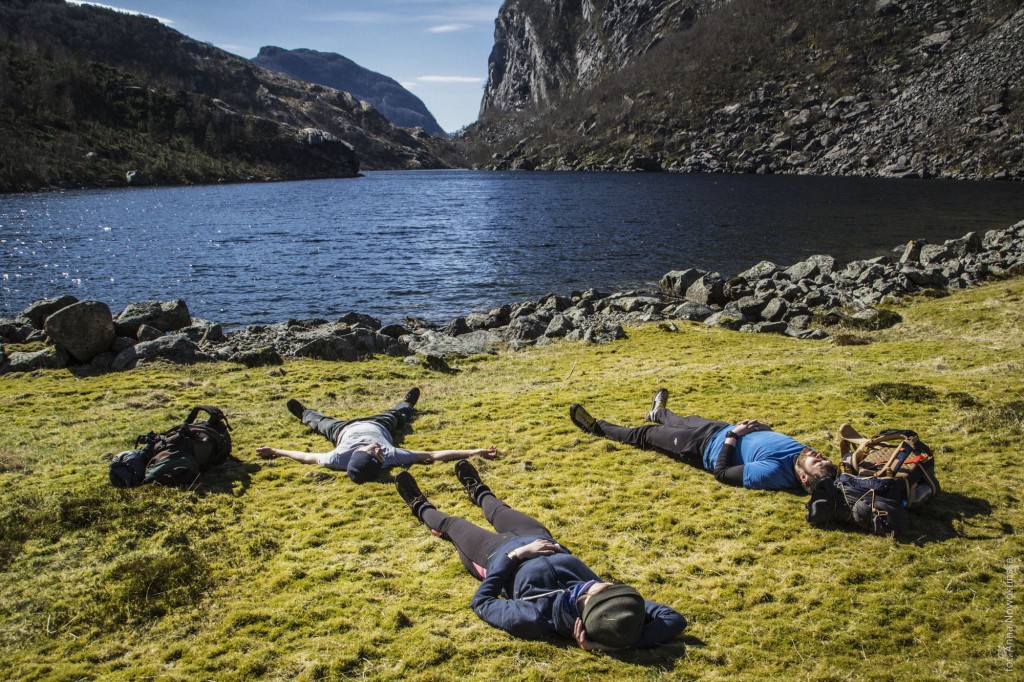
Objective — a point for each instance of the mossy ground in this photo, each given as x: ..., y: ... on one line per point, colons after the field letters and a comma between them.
x: 277, y: 570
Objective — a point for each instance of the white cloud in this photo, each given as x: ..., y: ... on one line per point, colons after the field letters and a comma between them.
x: 354, y: 17
x: 408, y: 85
x: 166, y: 22
x: 452, y: 15
x: 449, y: 28
x: 450, y: 79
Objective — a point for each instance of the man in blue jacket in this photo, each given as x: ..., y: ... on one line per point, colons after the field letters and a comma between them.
x: 533, y: 587
x: 747, y: 454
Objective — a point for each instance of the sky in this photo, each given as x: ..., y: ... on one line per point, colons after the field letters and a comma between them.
x: 437, y: 49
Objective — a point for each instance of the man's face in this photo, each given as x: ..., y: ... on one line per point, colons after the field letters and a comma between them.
x: 817, y: 464
x: 374, y: 450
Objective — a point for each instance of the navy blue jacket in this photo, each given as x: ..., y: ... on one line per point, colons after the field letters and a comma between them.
x: 534, y: 591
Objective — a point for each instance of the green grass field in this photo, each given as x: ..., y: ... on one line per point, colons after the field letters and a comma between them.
x: 275, y: 570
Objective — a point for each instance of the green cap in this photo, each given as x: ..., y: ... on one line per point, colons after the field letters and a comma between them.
x: 615, y: 616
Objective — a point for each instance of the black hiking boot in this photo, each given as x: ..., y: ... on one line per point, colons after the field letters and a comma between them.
x: 658, y: 402
x: 581, y: 418
x: 295, y: 407
x: 470, y: 480
x: 410, y: 493
x: 412, y: 396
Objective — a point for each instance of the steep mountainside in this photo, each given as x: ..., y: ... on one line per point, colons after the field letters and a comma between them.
x: 387, y: 96
x: 90, y: 97
x: 545, y: 49
x: 907, y: 88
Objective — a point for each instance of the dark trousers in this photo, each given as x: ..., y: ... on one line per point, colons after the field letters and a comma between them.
x: 331, y: 428
x: 475, y: 544
x: 682, y: 437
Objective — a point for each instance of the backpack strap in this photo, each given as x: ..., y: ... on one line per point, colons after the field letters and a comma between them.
x: 216, y: 415
x: 864, y: 446
x: 849, y: 439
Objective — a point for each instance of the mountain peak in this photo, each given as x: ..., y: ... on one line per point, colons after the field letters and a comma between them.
x: 387, y: 96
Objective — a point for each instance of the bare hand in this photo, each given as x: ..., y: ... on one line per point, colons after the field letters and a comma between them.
x: 580, y: 635
x: 749, y: 426
x: 535, y: 549
x: 488, y: 453
x: 266, y: 452
x: 374, y: 450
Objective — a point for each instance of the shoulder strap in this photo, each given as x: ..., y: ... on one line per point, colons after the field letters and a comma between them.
x: 216, y: 415
x: 849, y: 439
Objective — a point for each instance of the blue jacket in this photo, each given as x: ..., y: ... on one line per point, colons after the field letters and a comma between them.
x: 534, y: 591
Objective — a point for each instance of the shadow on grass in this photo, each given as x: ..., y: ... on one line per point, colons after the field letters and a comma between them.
x: 937, y: 521
x: 233, y: 477
x: 662, y: 657
x: 940, y: 517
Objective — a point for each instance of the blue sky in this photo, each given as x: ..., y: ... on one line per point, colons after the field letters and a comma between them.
x: 436, y: 48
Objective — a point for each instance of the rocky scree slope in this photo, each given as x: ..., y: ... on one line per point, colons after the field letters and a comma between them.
x: 895, y: 88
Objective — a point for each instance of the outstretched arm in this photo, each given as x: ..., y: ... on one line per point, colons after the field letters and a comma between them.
x: 448, y: 455
x: 267, y: 452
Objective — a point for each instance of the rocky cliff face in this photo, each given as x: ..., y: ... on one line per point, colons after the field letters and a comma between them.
x: 546, y: 49
x: 904, y: 88
x: 387, y: 96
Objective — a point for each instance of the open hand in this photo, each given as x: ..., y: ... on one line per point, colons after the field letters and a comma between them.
x: 580, y: 635
x: 266, y: 452
x: 488, y: 453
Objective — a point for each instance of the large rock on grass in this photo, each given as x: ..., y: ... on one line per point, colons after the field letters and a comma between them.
x: 176, y: 348
x: 48, y: 358
x: 38, y: 311
x: 83, y: 329
x: 435, y: 344
x: 676, y: 283
x: 167, y: 316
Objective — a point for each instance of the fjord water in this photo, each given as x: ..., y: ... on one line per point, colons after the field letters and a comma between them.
x: 437, y: 244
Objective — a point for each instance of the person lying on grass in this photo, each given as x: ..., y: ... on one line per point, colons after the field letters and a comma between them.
x: 747, y: 454
x: 546, y: 590
x: 366, y: 446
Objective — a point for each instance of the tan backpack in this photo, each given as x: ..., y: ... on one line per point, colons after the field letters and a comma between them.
x: 895, y: 453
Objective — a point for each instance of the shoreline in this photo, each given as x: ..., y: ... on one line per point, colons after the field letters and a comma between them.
x: 801, y: 300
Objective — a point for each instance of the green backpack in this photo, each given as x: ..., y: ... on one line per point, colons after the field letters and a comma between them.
x: 177, y: 456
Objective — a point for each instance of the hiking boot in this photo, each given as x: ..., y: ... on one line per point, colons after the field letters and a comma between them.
x: 581, y: 418
x: 412, y: 396
x: 659, y: 402
x: 410, y: 493
x: 470, y: 480
x: 295, y: 407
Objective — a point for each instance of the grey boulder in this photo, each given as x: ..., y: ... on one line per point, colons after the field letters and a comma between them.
x: 167, y: 316
x: 83, y: 329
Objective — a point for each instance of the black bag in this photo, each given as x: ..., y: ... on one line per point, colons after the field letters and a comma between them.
x: 176, y: 456
x: 885, y: 476
x: 128, y: 468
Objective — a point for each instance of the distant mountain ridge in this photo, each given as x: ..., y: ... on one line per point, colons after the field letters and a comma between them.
x: 387, y: 95
x: 891, y: 88
x: 95, y: 97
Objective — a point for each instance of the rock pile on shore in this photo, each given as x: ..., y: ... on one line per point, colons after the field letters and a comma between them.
x: 796, y: 300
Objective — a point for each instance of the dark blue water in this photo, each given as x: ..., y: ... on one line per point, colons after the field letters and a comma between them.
x: 437, y: 244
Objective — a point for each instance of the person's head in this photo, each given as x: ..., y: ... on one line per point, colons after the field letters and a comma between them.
x: 365, y: 463
x: 811, y: 466
x: 613, y: 615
